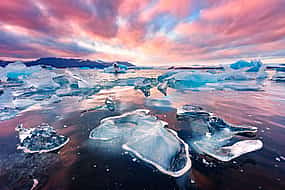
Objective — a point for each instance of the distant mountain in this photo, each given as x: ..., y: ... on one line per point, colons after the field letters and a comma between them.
x: 65, y: 63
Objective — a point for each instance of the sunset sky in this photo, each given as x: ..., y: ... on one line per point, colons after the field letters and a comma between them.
x: 145, y: 32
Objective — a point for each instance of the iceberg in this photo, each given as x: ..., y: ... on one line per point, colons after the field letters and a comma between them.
x: 40, y: 139
x: 17, y: 71
x: 212, y: 136
x: 146, y: 137
x: 237, y: 76
x: 116, y: 68
x: 279, y: 76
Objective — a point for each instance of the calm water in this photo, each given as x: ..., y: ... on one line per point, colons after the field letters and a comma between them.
x: 83, y: 164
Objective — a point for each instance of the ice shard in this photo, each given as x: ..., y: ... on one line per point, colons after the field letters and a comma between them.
x: 148, y: 139
x: 213, y: 136
x: 40, y: 139
x: 110, y: 104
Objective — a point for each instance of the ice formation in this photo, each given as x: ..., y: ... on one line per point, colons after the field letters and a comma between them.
x: 116, y: 68
x: 214, y: 137
x: 110, y: 104
x: 41, y: 139
x: 234, y: 77
x: 279, y: 76
x: 147, y: 138
x: 22, y: 87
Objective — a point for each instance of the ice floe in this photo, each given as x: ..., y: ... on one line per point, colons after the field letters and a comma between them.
x: 147, y: 138
x: 214, y: 137
x: 40, y: 139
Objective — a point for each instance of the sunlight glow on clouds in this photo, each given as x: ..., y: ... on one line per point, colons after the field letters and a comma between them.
x: 146, y: 32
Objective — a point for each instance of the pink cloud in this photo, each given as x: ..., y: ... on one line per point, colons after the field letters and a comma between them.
x: 179, y: 9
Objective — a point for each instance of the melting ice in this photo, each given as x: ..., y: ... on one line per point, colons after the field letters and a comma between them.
x: 147, y: 138
x: 41, y: 139
x: 214, y: 137
x: 22, y: 87
x: 238, y: 76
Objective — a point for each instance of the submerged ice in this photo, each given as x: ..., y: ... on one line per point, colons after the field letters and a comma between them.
x: 40, y: 139
x: 147, y: 138
x: 213, y: 136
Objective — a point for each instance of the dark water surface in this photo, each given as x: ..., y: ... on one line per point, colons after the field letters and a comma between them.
x: 86, y: 164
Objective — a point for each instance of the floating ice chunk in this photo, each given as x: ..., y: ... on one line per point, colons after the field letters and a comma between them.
x: 145, y: 84
x: 191, y: 111
x: 211, y: 135
x: 17, y: 70
x: 6, y: 99
x: 147, y: 138
x: 227, y: 153
x: 110, y: 104
x: 159, y: 104
x: 279, y: 76
x: 8, y: 113
x: 41, y: 139
x: 116, y: 68
x: 163, y: 88
x: 233, y: 77
x: 42, y: 80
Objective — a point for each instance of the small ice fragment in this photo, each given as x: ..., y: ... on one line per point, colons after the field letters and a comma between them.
x: 36, y: 182
x: 277, y: 159
x: 41, y: 139
x: 279, y: 77
x: 110, y: 104
x: 140, y: 133
x: 163, y: 88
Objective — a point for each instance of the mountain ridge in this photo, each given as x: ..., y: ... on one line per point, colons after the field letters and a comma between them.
x: 58, y: 62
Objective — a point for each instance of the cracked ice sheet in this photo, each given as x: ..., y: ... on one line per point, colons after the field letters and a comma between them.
x: 212, y: 136
x: 147, y: 138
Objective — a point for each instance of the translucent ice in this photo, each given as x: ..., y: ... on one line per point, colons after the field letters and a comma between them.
x: 110, y: 104
x: 145, y: 85
x: 17, y: 70
x: 147, y: 138
x: 234, y: 77
x: 279, y: 76
x: 41, y: 139
x: 163, y: 88
x: 211, y: 135
x: 116, y: 68
x: 227, y: 153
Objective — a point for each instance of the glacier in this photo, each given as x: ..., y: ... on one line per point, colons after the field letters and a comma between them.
x: 40, y: 139
x: 213, y: 136
x: 147, y: 138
